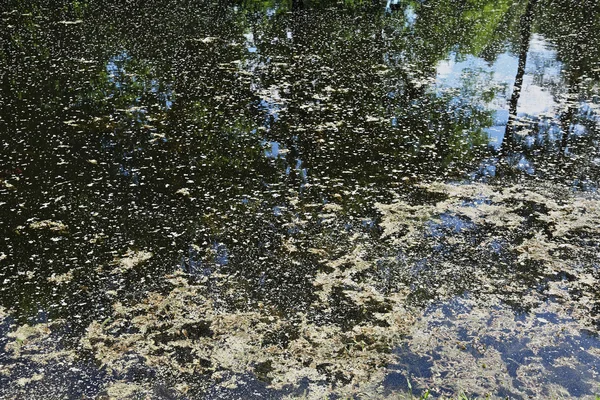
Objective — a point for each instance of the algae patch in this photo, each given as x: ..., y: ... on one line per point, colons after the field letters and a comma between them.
x: 54, y: 226
x: 131, y: 259
x: 467, y: 281
x: 184, y: 335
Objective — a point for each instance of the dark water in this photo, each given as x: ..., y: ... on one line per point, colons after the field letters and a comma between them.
x: 214, y: 135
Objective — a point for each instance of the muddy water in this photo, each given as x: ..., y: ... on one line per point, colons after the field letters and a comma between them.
x: 272, y: 200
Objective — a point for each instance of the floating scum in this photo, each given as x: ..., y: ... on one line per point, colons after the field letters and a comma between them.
x: 179, y: 334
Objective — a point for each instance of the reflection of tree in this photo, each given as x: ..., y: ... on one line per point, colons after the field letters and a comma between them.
x: 526, y: 23
x: 338, y: 99
x: 477, y: 27
x: 564, y: 148
x: 573, y: 27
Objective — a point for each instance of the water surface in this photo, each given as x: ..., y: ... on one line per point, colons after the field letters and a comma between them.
x: 268, y: 199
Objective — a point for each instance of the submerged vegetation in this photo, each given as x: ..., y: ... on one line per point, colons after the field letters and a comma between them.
x: 303, y: 199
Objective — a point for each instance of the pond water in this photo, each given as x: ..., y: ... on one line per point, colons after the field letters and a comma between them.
x: 205, y: 200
